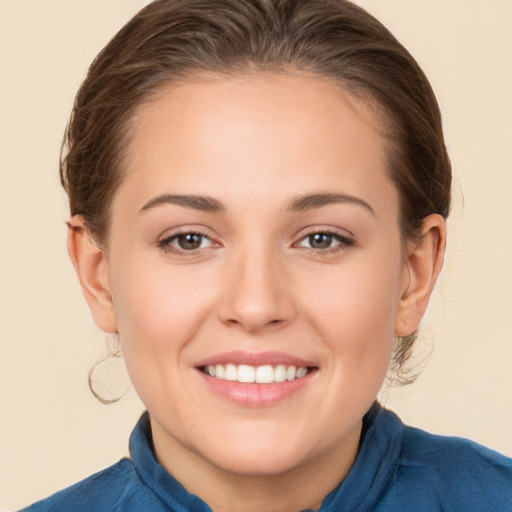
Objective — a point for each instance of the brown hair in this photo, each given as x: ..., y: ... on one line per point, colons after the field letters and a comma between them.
x: 172, y: 40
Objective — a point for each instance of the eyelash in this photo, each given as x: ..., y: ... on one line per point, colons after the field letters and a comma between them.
x: 165, y: 243
x: 342, y: 242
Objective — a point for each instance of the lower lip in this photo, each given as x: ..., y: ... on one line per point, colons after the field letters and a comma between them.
x: 256, y: 395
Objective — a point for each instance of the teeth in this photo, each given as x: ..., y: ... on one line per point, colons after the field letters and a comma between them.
x: 219, y: 371
x: 301, y: 372
x: 246, y: 373
x: 265, y: 374
x: 230, y: 372
x: 280, y: 373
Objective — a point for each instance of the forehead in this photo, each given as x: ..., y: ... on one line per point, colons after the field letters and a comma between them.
x: 248, y: 133
x: 290, y: 97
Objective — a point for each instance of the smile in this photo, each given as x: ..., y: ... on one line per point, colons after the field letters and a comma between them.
x: 257, y: 379
x: 265, y: 374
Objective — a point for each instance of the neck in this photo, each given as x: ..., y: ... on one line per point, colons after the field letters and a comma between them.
x: 302, y: 487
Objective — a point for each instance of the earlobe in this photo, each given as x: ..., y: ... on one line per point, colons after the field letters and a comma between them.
x: 91, y: 266
x: 423, y: 265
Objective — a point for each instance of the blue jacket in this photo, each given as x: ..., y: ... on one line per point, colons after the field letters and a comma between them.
x: 398, y: 469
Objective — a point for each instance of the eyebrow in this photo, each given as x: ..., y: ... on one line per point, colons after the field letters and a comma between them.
x: 313, y: 201
x: 299, y: 203
x: 202, y: 203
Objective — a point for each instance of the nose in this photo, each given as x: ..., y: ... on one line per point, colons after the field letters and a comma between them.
x: 257, y: 294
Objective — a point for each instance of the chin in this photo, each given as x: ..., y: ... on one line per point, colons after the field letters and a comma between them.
x: 250, y: 464
x: 258, y: 453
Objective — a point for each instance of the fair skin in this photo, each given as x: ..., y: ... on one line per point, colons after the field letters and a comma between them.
x: 257, y: 225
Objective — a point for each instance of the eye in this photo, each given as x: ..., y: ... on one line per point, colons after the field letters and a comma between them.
x: 320, y: 240
x: 186, y: 242
x: 325, y: 240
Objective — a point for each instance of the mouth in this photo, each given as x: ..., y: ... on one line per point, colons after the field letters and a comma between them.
x: 264, y: 374
x: 250, y: 379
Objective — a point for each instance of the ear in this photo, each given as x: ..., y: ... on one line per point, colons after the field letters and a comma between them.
x: 91, y: 266
x: 424, y: 260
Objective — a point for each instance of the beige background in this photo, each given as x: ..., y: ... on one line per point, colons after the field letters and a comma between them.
x: 52, y: 431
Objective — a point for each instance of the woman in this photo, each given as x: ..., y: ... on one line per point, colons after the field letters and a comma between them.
x: 258, y: 193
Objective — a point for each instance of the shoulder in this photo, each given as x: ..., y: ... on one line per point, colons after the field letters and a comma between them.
x: 455, y: 472
x: 107, y: 491
x: 444, y: 454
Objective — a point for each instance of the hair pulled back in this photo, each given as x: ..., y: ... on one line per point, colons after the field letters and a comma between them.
x: 172, y: 40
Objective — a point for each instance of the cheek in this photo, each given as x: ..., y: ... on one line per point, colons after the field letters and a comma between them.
x: 355, y: 313
x: 158, y: 312
x: 157, y: 301
x: 359, y: 302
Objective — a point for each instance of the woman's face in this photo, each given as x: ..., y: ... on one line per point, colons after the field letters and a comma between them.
x: 256, y: 236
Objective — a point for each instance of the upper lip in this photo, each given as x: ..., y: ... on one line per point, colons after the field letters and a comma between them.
x: 238, y: 357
